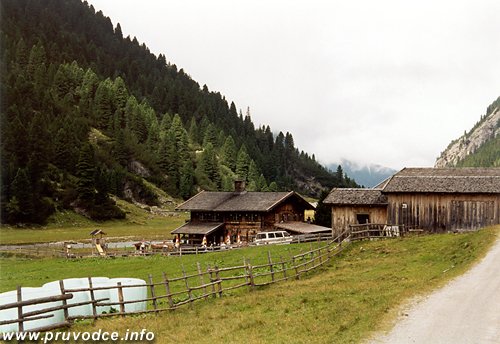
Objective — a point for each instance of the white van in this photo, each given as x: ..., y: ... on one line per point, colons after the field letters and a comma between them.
x: 276, y: 237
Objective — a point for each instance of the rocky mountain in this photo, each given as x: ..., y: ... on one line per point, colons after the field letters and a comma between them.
x: 480, y: 147
x: 366, y: 175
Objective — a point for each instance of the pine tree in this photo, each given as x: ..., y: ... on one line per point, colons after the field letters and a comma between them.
x: 103, y: 106
x: 210, y: 136
x: 21, y: 206
x: 186, y: 180
x: 242, y: 163
x: 273, y: 187
x: 323, y: 212
x: 229, y: 154
x: 85, y: 173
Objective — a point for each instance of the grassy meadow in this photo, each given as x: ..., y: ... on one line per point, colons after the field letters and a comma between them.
x: 67, y: 226
x: 345, y: 302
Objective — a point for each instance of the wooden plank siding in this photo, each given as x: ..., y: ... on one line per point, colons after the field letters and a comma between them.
x: 343, y: 216
x: 443, y: 212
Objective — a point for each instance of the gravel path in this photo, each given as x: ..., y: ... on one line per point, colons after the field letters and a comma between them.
x: 466, y: 310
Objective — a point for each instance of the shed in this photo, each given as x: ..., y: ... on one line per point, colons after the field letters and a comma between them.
x: 356, y: 206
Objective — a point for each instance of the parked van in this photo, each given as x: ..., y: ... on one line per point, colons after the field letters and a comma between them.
x: 276, y: 237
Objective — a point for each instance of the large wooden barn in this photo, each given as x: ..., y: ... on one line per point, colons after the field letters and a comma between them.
x: 433, y: 199
x: 240, y: 213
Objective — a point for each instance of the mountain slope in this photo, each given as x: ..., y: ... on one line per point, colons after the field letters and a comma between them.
x: 88, y: 114
x: 366, y: 175
x: 480, y: 147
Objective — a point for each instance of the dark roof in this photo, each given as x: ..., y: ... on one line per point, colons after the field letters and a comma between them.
x: 238, y: 201
x: 302, y: 227
x: 445, y: 180
x: 97, y: 231
x: 204, y: 228
x: 356, y: 197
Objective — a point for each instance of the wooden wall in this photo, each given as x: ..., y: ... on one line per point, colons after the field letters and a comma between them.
x: 343, y: 215
x: 443, y: 212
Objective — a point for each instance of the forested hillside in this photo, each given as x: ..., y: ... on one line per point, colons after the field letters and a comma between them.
x: 88, y: 114
x: 479, y: 147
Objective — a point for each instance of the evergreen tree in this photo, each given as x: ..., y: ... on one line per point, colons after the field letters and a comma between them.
x: 229, y: 154
x: 323, y: 212
x: 210, y: 136
x: 85, y: 173
x: 242, y: 163
x: 273, y: 187
x: 186, y: 180
x: 103, y: 107
x: 21, y: 206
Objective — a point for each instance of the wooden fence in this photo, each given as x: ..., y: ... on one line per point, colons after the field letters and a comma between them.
x: 380, y: 231
x: 168, y: 293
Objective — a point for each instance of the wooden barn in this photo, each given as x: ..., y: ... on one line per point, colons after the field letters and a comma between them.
x: 242, y: 214
x: 433, y: 199
x: 356, y: 206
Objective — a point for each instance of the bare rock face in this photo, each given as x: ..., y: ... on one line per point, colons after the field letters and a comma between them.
x: 137, y: 168
x: 468, y: 143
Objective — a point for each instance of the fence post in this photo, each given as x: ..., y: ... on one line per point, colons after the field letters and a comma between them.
x: 201, y: 279
x: 297, y: 275
x: 120, y: 298
x: 64, y: 302
x: 250, y: 275
x: 270, y: 265
x: 167, y: 290
x: 92, y: 298
x: 284, y: 268
x: 20, y: 309
x: 153, y: 294
x: 190, y: 293
x: 219, y: 282
x: 246, y: 270
x: 212, y: 280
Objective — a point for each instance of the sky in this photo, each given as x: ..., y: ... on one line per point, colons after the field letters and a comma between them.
x: 385, y: 82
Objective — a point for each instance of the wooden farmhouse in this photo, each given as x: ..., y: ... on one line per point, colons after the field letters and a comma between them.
x: 239, y: 214
x: 432, y: 199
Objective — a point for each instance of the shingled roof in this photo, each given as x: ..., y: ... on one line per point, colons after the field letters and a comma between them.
x: 445, y: 180
x: 238, y: 201
x: 356, y: 196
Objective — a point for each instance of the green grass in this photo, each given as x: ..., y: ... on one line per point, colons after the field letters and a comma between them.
x: 35, y: 272
x: 358, y: 293
x: 67, y: 226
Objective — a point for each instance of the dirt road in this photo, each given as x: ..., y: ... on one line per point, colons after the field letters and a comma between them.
x: 467, y: 310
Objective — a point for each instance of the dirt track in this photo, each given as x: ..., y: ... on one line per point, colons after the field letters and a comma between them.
x: 467, y: 310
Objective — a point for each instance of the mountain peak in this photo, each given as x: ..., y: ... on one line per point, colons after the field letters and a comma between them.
x: 479, y: 146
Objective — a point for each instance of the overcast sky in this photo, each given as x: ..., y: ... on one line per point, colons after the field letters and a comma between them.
x: 386, y: 82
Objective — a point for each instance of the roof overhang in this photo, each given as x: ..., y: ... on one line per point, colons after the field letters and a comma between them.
x: 302, y: 227
x: 198, y: 228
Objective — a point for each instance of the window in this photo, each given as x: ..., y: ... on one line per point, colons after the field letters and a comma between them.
x: 363, y: 218
x: 279, y: 235
x: 270, y: 235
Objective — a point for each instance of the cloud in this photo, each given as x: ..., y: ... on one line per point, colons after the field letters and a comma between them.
x: 388, y: 82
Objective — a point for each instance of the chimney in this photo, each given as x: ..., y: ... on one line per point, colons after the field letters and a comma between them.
x: 239, y: 186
